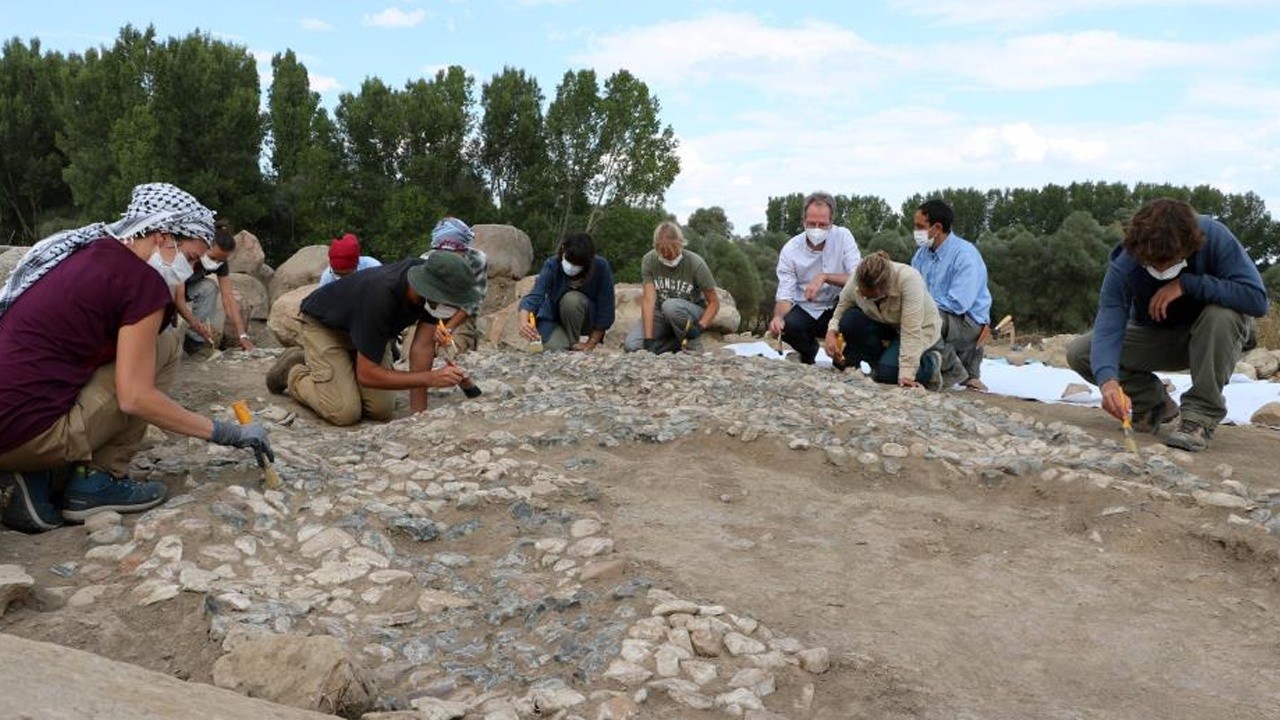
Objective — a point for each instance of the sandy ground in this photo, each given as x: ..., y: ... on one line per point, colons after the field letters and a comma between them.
x: 939, y: 596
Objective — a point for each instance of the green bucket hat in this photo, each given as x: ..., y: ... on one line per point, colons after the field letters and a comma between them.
x: 445, y: 278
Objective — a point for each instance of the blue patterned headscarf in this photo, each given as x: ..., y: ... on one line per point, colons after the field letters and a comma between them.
x: 451, y: 234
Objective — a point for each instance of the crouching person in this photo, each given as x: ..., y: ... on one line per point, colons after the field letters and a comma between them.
x: 343, y: 369
x: 887, y: 319
x: 84, y: 364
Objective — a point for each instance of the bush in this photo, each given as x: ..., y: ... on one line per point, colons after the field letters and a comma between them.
x: 1269, y: 329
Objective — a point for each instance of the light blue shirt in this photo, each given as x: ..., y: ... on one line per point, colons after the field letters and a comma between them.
x: 956, y: 277
x: 364, y: 263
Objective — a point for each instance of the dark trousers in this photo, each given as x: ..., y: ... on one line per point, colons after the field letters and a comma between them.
x: 878, y: 345
x: 801, y: 331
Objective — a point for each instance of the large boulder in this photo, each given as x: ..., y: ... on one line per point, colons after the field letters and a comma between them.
x: 248, y: 255
x: 9, y: 259
x: 1268, y: 415
x: 1265, y: 362
x: 282, y: 321
x: 313, y: 673
x: 508, y: 249
x: 252, y: 295
x: 52, y: 682
x: 304, y: 268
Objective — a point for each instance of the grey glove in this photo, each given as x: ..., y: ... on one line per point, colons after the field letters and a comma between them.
x: 252, y: 436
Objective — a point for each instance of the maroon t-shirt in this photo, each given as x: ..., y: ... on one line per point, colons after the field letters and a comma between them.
x: 63, y: 328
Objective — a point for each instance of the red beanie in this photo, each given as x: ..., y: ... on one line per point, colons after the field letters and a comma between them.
x: 344, y: 253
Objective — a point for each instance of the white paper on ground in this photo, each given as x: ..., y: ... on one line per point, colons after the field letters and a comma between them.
x: 1035, y: 381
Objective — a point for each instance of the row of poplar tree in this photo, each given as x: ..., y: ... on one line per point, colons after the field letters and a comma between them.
x: 78, y: 131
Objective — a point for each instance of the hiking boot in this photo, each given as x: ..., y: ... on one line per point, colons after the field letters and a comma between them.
x: 278, y: 375
x: 1190, y: 436
x: 26, y: 501
x: 90, y: 492
x: 1145, y: 421
x: 976, y: 384
x: 934, y: 381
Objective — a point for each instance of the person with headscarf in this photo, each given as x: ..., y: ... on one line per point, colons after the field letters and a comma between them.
x: 85, y: 361
x: 453, y: 235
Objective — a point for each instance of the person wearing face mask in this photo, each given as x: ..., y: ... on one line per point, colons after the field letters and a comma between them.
x: 572, y: 298
x: 956, y: 276
x: 453, y: 235
x: 85, y: 361
x: 1179, y: 293
x: 812, y: 268
x: 343, y: 369
x: 888, y: 320
x: 678, y: 301
x: 208, y: 280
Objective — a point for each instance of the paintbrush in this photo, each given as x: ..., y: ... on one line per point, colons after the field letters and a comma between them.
x: 1129, y: 443
x: 684, y: 341
x: 468, y: 388
x: 270, y: 478
x: 535, y: 346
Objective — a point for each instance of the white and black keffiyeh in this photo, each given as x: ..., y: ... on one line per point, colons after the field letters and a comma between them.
x: 154, y: 206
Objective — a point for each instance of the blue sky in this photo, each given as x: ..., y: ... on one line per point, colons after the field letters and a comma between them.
x: 888, y: 98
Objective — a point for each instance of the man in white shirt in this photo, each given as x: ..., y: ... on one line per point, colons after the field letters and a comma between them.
x: 812, y: 269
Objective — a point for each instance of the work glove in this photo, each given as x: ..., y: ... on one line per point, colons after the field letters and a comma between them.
x: 252, y: 436
x: 651, y: 345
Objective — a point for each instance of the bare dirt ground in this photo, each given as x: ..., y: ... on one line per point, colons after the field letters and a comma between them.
x: 938, y: 596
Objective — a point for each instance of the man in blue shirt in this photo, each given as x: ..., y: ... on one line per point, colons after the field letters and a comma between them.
x: 956, y: 276
x: 1178, y: 293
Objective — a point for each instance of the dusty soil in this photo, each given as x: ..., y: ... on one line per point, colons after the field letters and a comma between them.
x: 939, y: 596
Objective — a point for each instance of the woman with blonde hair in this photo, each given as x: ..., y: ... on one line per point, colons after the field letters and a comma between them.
x: 887, y: 319
x: 679, y: 298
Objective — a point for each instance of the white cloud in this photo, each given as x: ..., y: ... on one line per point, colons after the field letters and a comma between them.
x: 315, y: 24
x: 1021, y: 12
x: 738, y: 48
x: 395, y: 18
x: 323, y: 83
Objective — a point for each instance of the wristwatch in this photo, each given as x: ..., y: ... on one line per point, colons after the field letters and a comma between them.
x: 244, y: 336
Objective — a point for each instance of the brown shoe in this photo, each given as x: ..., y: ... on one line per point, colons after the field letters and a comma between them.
x: 278, y: 375
x: 1150, y: 420
x: 974, y: 383
x: 1190, y: 436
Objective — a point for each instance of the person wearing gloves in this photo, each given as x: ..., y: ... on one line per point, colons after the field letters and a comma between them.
x: 678, y: 300
x: 343, y: 369
x: 812, y: 268
x: 453, y: 235
x: 86, y: 355
x: 1179, y: 293
x: 572, y: 298
x: 887, y: 319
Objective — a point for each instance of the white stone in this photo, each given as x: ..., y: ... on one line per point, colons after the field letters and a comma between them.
x: 738, y: 644
x: 152, y: 593
x: 585, y: 527
x: 15, y: 585
x: 100, y: 520
x: 758, y: 680
x: 815, y: 660
x: 168, y: 548
x: 247, y: 545
x: 591, y: 547
x: 627, y: 673
x: 112, y: 553
x: 86, y: 596
x: 193, y: 579
x: 894, y: 450
x: 671, y: 607
x: 652, y: 629
x: 326, y: 540
x: 552, y: 699
x: 338, y: 573
x: 365, y: 556
x: 384, y: 577
x: 1221, y: 499
x: 742, y: 697
x: 636, y: 651
x: 430, y: 601
x: 667, y: 661
x: 699, y: 671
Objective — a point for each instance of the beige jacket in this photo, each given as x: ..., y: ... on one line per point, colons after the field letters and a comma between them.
x: 908, y: 307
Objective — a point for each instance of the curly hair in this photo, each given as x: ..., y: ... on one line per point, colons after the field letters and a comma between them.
x: 1162, y: 231
x: 873, y: 271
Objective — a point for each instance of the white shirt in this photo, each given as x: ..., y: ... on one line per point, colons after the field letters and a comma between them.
x: 798, y: 266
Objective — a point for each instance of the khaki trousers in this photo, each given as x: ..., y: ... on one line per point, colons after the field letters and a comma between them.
x: 95, y: 431
x: 326, y: 379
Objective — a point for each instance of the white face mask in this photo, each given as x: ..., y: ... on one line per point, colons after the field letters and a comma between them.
x: 922, y: 238
x: 441, y: 312
x: 569, y: 268
x: 1169, y: 273
x: 178, y: 271
x: 671, y: 263
x: 815, y: 236
x: 210, y: 265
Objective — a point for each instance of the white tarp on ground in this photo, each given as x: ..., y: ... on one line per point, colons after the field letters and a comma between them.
x: 1035, y: 381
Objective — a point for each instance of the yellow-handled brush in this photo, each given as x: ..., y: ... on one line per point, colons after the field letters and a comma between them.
x: 535, y: 346
x: 270, y: 478
x: 1129, y: 443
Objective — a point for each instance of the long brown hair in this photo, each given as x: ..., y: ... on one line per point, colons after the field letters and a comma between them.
x: 873, y: 271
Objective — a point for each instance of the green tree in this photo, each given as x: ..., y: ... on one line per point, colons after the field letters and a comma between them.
x: 291, y: 111
x: 894, y: 241
x: 970, y: 207
x: 31, y: 165
x: 734, y: 271
x: 512, y: 152
x: 623, y: 235
x: 434, y: 154
x: 710, y: 222
x: 573, y: 127
x: 369, y: 126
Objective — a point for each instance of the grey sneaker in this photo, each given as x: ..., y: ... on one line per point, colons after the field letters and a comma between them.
x: 1149, y: 421
x: 1190, y: 436
x: 278, y: 375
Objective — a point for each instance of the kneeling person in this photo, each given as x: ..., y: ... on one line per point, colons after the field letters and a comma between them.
x: 343, y: 369
x: 679, y: 298
x: 887, y: 319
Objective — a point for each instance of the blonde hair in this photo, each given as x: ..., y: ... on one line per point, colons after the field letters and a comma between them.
x: 873, y: 271
x: 668, y: 229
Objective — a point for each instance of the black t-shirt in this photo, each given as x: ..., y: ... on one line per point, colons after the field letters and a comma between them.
x: 369, y: 305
